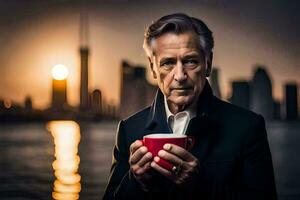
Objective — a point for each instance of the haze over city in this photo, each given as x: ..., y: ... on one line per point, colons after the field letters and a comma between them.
x: 36, y: 35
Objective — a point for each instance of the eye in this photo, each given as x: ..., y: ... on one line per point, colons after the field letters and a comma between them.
x: 167, y: 64
x: 192, y: 63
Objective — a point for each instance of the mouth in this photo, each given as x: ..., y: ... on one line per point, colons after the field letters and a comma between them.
x: 183, y: 88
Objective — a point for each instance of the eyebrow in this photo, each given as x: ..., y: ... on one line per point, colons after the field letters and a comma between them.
x: 167, y: 59
x: 188, y: 56
x: 192, y: 55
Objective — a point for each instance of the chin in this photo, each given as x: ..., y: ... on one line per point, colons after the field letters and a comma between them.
x: 182, y: 100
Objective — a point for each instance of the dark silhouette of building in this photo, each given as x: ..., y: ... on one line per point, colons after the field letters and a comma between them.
x: 136, y: 91
x: 214, y: 82
x: 261, y: 100
x: 241, y: 94
x: 96, y: 102
x: 28, y: 104
x: 291, y: 101
x: 84, y: 58
x: 59, y: 94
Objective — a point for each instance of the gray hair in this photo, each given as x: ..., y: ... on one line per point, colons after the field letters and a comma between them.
x: 179, y: 23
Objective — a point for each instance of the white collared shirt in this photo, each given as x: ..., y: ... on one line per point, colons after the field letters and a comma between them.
x: 179, y: 122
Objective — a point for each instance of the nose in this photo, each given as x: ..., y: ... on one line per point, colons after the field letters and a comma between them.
x: 180, y: 74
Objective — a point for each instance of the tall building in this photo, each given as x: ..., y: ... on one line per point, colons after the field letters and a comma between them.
x: 241, y: 94
x: 96, y: 102
x: 84, y: 93
x: 84, y: 58
x: 291, y: 101
x: 59, y: 94
x: 136, y: 91
x: 214, y: 82
x: 28, y: 104
x: 261, y: 94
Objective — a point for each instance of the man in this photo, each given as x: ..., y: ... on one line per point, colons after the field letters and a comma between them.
x: 230, y: 158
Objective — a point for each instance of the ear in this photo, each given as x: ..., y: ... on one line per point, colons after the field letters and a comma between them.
x: 208, y: 65
x: 152, y: 69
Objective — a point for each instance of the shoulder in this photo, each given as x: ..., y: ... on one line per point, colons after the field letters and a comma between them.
x: 132, y: 128
x: 136, y: 121
x: 139, y: 116
x: 235, y: 115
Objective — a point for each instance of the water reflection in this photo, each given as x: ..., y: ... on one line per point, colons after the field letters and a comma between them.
x: 66, y: 135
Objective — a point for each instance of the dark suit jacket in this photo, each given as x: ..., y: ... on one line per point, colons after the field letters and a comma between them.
x: 231, y: 145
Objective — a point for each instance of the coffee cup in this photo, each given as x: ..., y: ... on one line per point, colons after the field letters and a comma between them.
x: 155, y: 143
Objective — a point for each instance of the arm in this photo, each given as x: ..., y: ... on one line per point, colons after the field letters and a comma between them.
x: 122, y: 184
x: 257, y: 181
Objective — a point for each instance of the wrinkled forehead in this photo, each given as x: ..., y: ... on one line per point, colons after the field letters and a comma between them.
x: 172, y: 42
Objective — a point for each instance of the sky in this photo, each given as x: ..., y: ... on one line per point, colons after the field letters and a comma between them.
x: 35, y: 35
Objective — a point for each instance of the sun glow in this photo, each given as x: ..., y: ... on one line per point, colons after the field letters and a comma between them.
x: 59, y: 72
x: 66, y: 135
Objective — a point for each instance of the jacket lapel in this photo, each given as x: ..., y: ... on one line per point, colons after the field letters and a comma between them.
x: 157, y: 120
x: 203, y: 131
x: 202, y: 128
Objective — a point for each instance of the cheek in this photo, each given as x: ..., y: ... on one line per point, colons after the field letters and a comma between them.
x: 198, y: 77
x: 166, y: 79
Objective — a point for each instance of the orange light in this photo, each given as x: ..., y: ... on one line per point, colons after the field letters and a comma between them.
x: 66, y: 135
x: 7, y: 103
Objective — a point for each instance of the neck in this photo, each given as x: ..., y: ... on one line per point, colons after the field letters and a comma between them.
x: 176, y: 108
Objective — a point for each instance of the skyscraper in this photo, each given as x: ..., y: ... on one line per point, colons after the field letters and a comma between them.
x: 84, y: 55
x: 96, y: 101
x: 261, y: 93
x: 136, y: 91
x: 291, y: 101
x: 59, y: 94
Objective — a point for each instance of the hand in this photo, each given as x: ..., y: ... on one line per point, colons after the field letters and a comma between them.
x: 187, y: 163
x: 139, y: 161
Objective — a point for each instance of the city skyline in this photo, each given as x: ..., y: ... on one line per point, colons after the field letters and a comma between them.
x: 255, y: 94
x: 39, y: 40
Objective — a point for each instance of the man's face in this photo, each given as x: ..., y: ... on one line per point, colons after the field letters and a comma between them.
x: 179, y: 67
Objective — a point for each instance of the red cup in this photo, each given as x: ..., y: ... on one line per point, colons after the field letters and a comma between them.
x: 155, y: 143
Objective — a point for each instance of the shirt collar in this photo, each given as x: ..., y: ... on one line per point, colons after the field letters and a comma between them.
x: 190, y: 111
x: 157, y: 114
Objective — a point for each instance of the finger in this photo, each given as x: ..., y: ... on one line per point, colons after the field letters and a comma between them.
x: 145, y: 159
x: 135, y: 145
x: 138, y: 154
x: 172, y: 158
x: 160, y: 169
x: 179, y: 151
x: 144, y: 169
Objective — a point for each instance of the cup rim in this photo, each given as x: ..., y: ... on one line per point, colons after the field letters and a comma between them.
x: 164, y: 136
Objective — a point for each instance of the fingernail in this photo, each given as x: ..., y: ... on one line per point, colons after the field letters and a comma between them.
x: 144, y: 149
x: 156, y: 159
x: 152, y: 164
x: 167, y: 146
x: 161, y: 153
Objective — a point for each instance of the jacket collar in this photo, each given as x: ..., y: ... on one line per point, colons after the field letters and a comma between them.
x: 157, y: 115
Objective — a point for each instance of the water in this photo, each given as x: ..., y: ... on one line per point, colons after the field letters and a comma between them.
x: 65, y: 160
x: 28, y: 151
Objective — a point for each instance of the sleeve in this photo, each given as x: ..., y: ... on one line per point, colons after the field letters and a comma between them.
x: 122, y: 184
x: 257, y: 173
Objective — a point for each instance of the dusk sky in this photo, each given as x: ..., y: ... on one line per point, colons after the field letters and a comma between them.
x: 37, y: 34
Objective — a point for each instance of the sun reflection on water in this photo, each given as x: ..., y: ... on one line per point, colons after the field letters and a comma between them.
x: 66, y: 136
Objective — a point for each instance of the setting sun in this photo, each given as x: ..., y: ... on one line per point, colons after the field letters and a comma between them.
x: 59, y: 72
